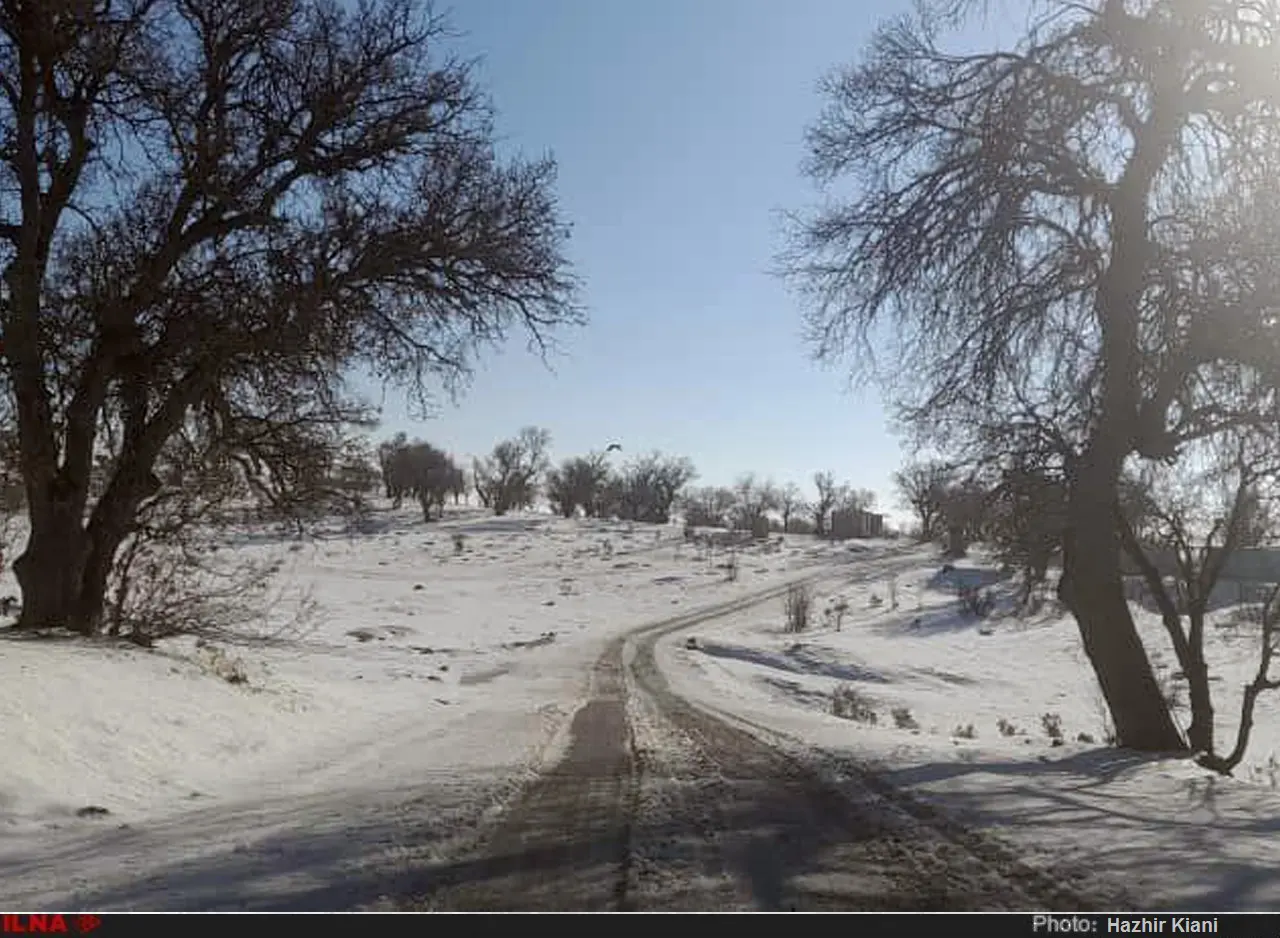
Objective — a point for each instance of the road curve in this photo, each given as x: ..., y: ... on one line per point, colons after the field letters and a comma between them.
x: 658, y: 805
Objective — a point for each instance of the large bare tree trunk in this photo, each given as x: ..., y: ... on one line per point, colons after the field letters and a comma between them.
x: 1200, y: 733
x: 1189, y: 650
x: 50, y: 569
x: 65, y: 568
x: 64, y: 572
x: 91, y: 600
x: 1093, y: 589
x: 111, y: 523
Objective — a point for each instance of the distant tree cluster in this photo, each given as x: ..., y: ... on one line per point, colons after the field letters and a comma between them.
x: 1016, y: 503
x: 507, y: 479
x: 518, y: 471
x: 421, y: 471
x: 924, y: 488
x: 708, y: 506
x: 752, y: 504
x: 646, y: 488
x: 579, y: 483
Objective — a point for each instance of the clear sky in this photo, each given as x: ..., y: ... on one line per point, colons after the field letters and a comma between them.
x: 677, y: 126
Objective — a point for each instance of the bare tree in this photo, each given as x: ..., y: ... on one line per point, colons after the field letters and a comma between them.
x: 432, y: 475
x: 508, y: 477
x: 790, y: 503
x: 393, y: 467
x: 612, y: 501
x: 290, y: 472
x: 457, y: 483
x: 1198, y: 518
x: 560, y: 494
x: 648, y: 486
x: 1082, y: 219
x: 210, y: 212
x: 922, y: 487
x: 169, y: 576
x: 753, y: 502
x: 708, y: 507
x: 965, y: 514
x: 485, y: 486
x: 1027, y: 521
x: 398, y: 461
x: 354, y: 477
x: 1269, y: 620
x: 421, y: 471
x: 577, y: 483
x: 849, y: 498
x: 828, y: 497
x: 833, y: 496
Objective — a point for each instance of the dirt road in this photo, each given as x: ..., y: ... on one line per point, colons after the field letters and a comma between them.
x: 660, y: 806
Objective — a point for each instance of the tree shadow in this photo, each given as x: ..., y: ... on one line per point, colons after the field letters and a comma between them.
x: 1218, y: 845
x: 776, y: 844
x: 1097, y: 766
x: 927, y: 623
x: 797, y: 659
x: 953, y: 579
x: 346, y: 869
x: 277, y: 854
x: 510, y: 524
x: 11, y: 633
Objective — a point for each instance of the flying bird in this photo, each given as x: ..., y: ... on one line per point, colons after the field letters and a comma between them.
x: 614, y: 446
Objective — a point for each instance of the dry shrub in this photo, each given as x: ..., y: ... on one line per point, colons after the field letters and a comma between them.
x: 903, y: 719
x: 798, y: 603
x: 174, y: 574
x: 848, y: 703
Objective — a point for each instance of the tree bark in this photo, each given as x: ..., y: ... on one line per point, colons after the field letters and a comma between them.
x: 51, y: 568
x: 1093, y: 589
x: 91, y: 599
x: 65, y: 568
x: 1200, y: 733
x: 1092, y: 583
x: 1188, y: 648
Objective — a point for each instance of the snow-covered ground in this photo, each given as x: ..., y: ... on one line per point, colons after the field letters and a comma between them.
x: 310, y: 763
x: 963, y: 711
x: 317, y: 763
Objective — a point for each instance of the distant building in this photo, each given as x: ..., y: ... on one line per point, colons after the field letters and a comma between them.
x: 854, y: 523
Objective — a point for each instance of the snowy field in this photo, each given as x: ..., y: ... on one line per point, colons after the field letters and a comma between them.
x: 963, y: 712
x: 316, y: 762
x: 313, y: 762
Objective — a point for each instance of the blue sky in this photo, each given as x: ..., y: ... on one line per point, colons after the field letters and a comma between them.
x: 677, y: 126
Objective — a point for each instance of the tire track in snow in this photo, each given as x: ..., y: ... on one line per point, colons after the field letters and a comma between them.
x: 795, y: 839
x: 565, y: 842
x: 659, y: 804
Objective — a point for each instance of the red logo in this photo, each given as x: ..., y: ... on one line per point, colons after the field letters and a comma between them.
x: 87, y: 923
x: 32, y: 924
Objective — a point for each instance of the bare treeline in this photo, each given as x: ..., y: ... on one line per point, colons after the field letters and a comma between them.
x: 518, y: 471
x: 752, y: 504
